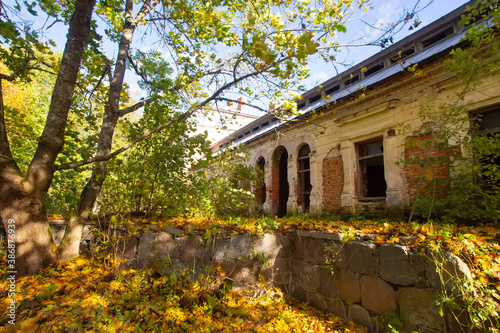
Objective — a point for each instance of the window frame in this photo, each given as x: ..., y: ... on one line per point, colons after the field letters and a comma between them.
x: 301, y: 174
x: 475, y: 131
x: 359, y: 160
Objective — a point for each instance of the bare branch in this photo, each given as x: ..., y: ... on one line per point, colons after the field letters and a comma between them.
x: 137, y: 70
x: 222, y: 99
x: 185, y: 115
x: 135, y: 107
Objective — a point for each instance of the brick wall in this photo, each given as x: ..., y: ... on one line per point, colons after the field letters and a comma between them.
x: 333, y: 180
x: 417, y: 154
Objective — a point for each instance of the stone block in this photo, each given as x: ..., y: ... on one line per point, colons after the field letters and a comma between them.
x: 316, y: 253
x: 303, y: 233
x: 269, y: 245
x: 221, y: 248
x: 395, y: 266
x: 299, y: 293
x: 451, y: 267
x: 361, y: 316
x: 337, y: 308
x: 239, y: 247
x: 164, y: 244
x: 340, y: 256
x: 310, y: 277
x: 241, y: 272
x: 419, y: 311
x: 361, y: 258
x: 284, y: 240
x: 320, y: 235
x: 328, y: 285
x: 317, y: 300
x: 146, y: 245
x: 377, y: 295
x: 418, y: 261
x: 422, y: 283
x: 128, y: 247
x: 142, y: 263
x: 299, y: 247
x: 348, y: 287
x: 281, y: 271
x: 187, y: 248
x: 174, y: 231
x: 296, y: 269
x: 458, y: 321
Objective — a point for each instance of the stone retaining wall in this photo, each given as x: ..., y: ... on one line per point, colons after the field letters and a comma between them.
x: 359, y: 280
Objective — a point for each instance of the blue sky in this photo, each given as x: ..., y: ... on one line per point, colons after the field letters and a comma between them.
x: 383, y: 13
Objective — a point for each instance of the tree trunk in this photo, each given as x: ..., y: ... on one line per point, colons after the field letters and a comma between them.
x: 70, y: 244
x: 22, y: 199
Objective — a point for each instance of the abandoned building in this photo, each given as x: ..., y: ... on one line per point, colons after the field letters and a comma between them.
x: 342, y: 152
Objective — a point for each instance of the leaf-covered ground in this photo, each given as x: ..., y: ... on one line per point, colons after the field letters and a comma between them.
x: 85, y: 296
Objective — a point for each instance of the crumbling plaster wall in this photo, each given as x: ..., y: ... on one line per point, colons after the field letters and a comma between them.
x: 380, y: 114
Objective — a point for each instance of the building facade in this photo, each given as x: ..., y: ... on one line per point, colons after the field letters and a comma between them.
x: 343, y: 152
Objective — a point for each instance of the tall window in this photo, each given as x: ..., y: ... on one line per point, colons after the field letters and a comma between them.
x: 261, y: 184
x: 371, y: 175
x: 304, y: 176
x: 487, y: 132
x: 488, y: 122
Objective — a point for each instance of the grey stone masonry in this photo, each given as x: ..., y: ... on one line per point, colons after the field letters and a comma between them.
x: 358, y: 280
x: 395, y: 265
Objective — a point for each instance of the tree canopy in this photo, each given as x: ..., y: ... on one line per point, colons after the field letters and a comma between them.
x: 198, y: 54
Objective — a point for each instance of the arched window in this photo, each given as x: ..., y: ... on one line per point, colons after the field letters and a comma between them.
x: 304, y: 177
x: 279, y: 190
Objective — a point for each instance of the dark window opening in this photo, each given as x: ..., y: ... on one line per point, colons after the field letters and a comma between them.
x: 301, y: 105
x: 374, y: 69
x: 247, y: 133
x: 283, y: 191
x: 264, y: 124
x: 403, y: 55
x: 371, y: 173
x: 304, y: 177
x: 239, y: 137
x: 255, y: 129
x: 488, y: 122
x: 332, y: 89
x: 351, y: 80
x: 261, y: 183
x: 487, y: 145
x: 436, y: 38
x: 314, y: 98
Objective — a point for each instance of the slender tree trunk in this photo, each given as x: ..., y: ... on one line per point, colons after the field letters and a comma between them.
x: 70, y: 244
x: 22, y: 199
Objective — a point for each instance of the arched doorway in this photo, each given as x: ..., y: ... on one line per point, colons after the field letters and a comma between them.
x: 304, y: 177
x: 280, y: 186
x: 260, y: 189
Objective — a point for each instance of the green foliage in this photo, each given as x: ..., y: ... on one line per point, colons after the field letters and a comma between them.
x: 153, y: 178
x: 269, y: 223
x: 473, y: 302
x: 455, y: 142
x: 226, y: 189
x: 26, y: 107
